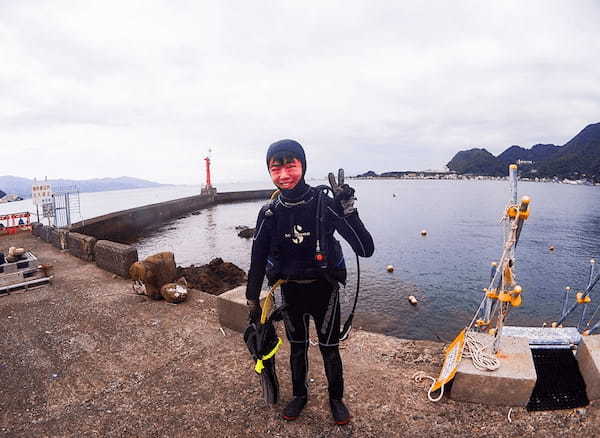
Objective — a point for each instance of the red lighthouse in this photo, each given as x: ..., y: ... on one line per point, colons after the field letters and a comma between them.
x: 208, y: 184
x: 208, y: 189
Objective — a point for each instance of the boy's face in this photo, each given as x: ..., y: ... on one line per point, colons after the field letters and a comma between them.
x: 286, y: 176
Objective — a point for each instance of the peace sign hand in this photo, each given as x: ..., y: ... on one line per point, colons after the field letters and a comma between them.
x: 343, y: 194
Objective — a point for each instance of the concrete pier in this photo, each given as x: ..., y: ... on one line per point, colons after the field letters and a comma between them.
x: 510, y: 385
x: 123, y: 226
x: 588, y: 356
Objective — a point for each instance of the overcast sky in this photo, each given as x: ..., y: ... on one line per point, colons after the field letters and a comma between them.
x: 111, y: 88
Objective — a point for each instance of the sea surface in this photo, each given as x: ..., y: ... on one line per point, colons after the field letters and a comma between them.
x: 446, y: 270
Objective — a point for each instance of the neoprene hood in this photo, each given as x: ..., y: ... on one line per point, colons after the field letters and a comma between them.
x: 293, y: 147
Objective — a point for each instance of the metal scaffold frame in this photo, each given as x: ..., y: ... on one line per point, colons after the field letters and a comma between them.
x: 63, y: 206
x: 503, y: 292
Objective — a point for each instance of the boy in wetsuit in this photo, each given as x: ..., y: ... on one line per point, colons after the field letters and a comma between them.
x: 294, y: 243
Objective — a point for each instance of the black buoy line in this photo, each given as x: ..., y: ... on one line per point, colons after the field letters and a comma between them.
x: 583, y: 300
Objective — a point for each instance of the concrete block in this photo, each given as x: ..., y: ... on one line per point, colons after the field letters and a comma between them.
x: 58, y: 237
x: 35, y: 229
x: 232, y: 308
x: 588, y: 357
x: 81, y: 246
x: 510, y: 385
x: 44, y: 233
x: 115, y: 257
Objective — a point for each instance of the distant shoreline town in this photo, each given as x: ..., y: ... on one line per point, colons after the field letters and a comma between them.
x: 425, y: 175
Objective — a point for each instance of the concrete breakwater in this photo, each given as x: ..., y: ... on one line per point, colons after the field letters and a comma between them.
x: 123, y: 226
x: 104, y: 239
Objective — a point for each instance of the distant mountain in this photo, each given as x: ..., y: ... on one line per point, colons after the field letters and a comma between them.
x: 22, y: 186
x: 476, y: 162
x: 578, y: 158
x: 368, y: 174
x: 2, y: 194
x: 537, y: 153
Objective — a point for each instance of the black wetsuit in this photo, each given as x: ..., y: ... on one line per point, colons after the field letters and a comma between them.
x: 284, y: 247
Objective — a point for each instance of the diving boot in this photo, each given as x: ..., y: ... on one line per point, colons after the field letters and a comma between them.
x: 339, y: 411
x: 294, y: 408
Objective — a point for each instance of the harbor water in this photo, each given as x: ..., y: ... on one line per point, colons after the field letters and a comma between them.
x: 445, y: 270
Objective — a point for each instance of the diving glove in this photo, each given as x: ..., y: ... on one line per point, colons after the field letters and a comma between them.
x: 254, y: 311
x: 343, y: 194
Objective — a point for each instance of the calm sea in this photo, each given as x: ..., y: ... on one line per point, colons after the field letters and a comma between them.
x: 446, y: 270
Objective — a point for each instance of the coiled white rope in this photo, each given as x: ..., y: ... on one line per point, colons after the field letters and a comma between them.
x: 480, y: 353
x: 419, y: 376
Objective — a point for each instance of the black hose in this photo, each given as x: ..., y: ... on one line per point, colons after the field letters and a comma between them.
x: 348, y: 324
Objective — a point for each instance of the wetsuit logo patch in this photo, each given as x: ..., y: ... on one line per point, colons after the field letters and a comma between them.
x: 297, y: 235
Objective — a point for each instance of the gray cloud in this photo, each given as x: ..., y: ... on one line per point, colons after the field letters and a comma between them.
x: 119, y: 88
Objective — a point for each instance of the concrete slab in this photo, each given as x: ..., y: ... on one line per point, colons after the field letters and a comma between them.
x: 43, y: 233
x: 58, y: 237
x: 232, y: 308
x: 115, y: 257
x: 588, y: 357
x: 35, y: 228
x: 541, y: 336
x: 81, y: 246
x: 510, y: 385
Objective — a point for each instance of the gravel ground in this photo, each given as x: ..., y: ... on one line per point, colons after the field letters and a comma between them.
x: 84, y: 357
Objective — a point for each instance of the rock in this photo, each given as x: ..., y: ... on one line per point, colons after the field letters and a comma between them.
x: 215, y: 277
x: 154, y: 272
x: 247, y: 233
x: 175, y: 292
x: 241, y: 227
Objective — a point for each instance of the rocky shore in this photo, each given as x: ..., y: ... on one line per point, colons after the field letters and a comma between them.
x: 85, y: 356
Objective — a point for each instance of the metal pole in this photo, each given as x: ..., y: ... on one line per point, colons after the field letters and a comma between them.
x: 582, y: 316
x: 512, y: 177
x: 67, y: 210
x: 565, y: 302
x: 489, y: 302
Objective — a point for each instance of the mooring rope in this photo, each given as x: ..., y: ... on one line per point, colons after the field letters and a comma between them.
x: 483, y: 359
x: 419, y: 376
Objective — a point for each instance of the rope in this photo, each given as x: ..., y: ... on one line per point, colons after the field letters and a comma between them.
x: 473, y: 349
x: 419, y: 376
x: 478, y: 352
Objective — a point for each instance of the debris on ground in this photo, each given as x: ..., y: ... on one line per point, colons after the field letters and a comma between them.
x: 248, y: 233
x: 245, y: 232
x: 214, y: 278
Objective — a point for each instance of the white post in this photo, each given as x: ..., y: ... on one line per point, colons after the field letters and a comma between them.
x: 512, y: 178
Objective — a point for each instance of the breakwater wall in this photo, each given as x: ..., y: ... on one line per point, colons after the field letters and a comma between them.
x: 104, y: 239
x: 124, y: 226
